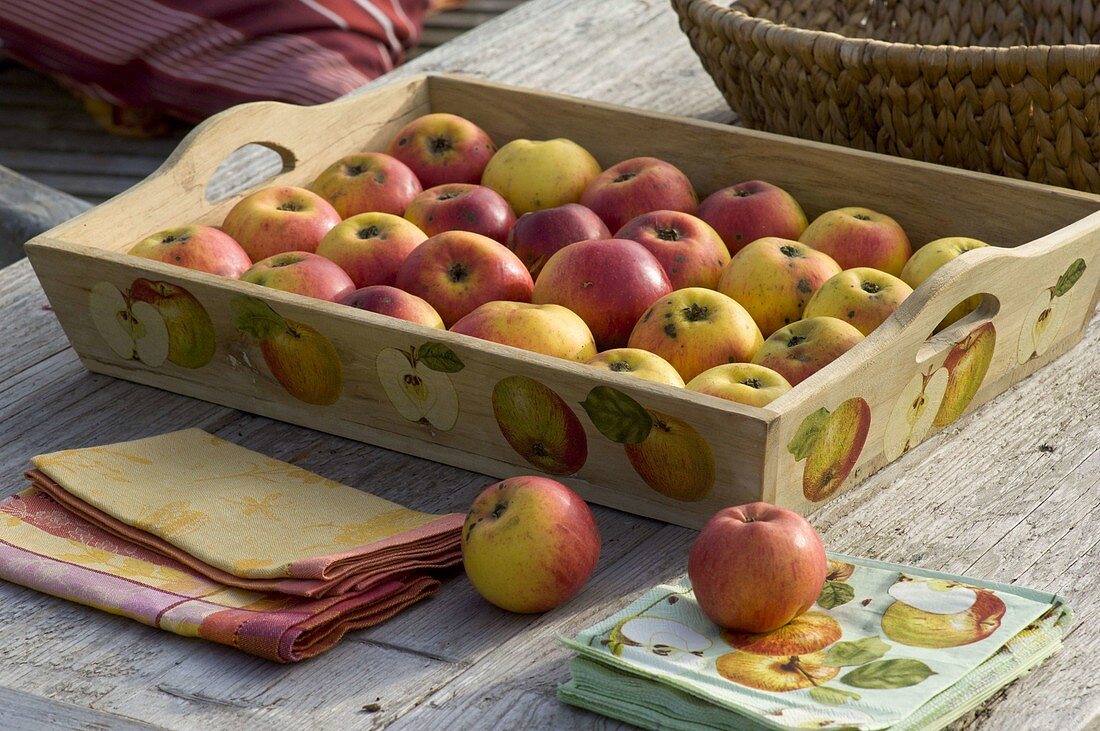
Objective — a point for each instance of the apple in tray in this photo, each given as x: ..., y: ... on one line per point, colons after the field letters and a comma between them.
x: 752, y: 210
x: 371, y: 247
x: 636, y: 186
x: 860, y: 237
x: 745, y: 383
x: 280, y: 219
x: 538, y: 235
x: 862, y: 297
x: 639, y: 363
x: 443, y: 148
x: 302, y: 273
x: 393, y: 302
x: 462, y: 207
x: 202, y: 248
x: 537, y: 174
x: 367, y: 182
x: 547, y: 329
x: 801, y: 349
x: 691, y: 252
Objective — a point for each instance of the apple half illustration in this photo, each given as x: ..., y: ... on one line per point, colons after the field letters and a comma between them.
x: 417, y: 382
x: 831, y: 443
x: 539, y: 425
x: 1044, y: 318
x: 670, y: 455
x: 914, y: 412
x: 656, y: 641
x: 301, y: 359
x: 939, y: 613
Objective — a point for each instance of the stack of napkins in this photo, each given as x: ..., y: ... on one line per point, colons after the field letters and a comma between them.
x: 885, y: 647
x: 197, y: 536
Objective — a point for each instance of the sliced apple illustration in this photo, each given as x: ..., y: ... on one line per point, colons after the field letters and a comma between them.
x: 418, y: 384
x: 1044, y: 318
x: 539, y: 425
x: 669, y: 454
x: 937, y: 596
x: 191, y: 336
x: 831, y: 443
x: 914, y: 411
x: 943, y: 613
x: 775, y: 673
x: 133, y: 330
x: 301, y: 359
x: 804, y: 634
x: 966, y: 366
x: 846, y: 718
x: 658, y: 641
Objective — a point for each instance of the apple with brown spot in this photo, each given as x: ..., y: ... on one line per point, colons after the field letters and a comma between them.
x: 371, y: 247
x: 462, y: 207
x: 280, y: 219
x: 691, y: 252
x: 302, y: 273
x: 443, y: 148
x: 366, y: 182
x: 636, y: 186
x: 202, y: 248
x: 393, y: 302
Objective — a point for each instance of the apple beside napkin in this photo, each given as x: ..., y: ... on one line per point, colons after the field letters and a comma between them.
x: 198, y: 536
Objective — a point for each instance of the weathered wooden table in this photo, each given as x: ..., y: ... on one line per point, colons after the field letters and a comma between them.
x: 1009, y: 494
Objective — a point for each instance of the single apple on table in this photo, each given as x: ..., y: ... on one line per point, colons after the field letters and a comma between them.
x: 860, y: 237
x: 640, y: 363
x: 862, y: 297
x: 538, y: 235
x: 393, y: 302
x: 802, y: 348
x: 695, y: 329
x: 538, y: 424
x: 940, y: 613
x: 752, y: 210
x: 608, y: 282
x: 547, y: 329
x: 202, y: 248
x: 443, y: 148
x: 191, y: 336
x: 774, y: 278
x: 371, y: 247
x: 302, y: 273
x: 462, y: 207
x: 691, y: 252
x: 966, y: 366
x: 830, y: 442
x: 529, y: 544
x: 639, y: 185
x: 931, y: 257
x: 745, y: 383
x: 756, y: 567
x: 280, y: 219
x: 366, y: 182
x: 537, y: 174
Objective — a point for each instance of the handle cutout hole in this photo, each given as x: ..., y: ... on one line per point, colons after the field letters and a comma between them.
x: 246, y: 167
x: 945, y: 337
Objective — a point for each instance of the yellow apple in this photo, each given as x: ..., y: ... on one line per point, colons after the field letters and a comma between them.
x: 931, y: 257
x: 862, y: 297
x: 640, y: 363
x: 776, y: 673
x: 547, y: 329
x: 966, y: 366
x: 831, y: 443
x: 537, y: 174
x: 745, y: 383
x: 674, y: 459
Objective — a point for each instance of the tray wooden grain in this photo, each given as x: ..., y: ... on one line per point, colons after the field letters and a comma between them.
x: 783, y: 453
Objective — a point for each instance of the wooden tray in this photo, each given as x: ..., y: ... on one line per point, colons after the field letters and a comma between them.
x: 696, y: 453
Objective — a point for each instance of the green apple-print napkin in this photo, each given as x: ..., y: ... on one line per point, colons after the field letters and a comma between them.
x: 885, y: 647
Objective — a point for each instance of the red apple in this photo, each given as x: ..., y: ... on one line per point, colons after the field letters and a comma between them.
x: 691, y: 252
x: 276, y: 220
x: 203, y: 248
x: 462, y: 207
x: 457, y: 271
x: 371, y: 247
x: 538, y: 235
x: 860, y: 237
x: 529, y: 544
x: 367, y: 182
x: 636, y: 186
x: 443, y: 148
x: 608, y: 282
x: 756, y: 567
x: 748, y: 211
x: 303, y: 273
x: 393, y: 302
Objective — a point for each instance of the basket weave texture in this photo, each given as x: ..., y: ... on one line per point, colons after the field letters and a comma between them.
x: 973, y: 84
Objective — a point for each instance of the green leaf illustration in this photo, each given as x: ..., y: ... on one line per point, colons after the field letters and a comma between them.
x: 804, y: 438
x: 1067, y: 280
x: 618, y: 417
x: 832, y: 696
x: 439, y: 357
x: 856, y: 652
x: 888, y: 674
x: 256, y: 318
x: 835, y: 593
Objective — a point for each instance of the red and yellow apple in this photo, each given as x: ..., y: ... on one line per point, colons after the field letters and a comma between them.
x: 931, y: 257
x: 748, y: 211
x: 674, y: 459
x: 457, y: 271
x: 371, y: 247
x: 691, y: 252
x: 639, y: 185
x: 279, y: 219
x: 302, y: 273
x: 529, y: 544
x: 366, y: 182
x: 745, y: 383
x: 860, y: 237
x: 695, y: 329
x: 202, y: 248
x: 815, y: 630
x: 774, y: 278
x: 966, y: 365
x: 537, y: 174
x: 443, y: 148
x: 608, y: 282
x: 940, y: 613
x: 862, y: 297
x: 756, y: 567
x: 802, y: 348
x: 547, y: 329
x: 640, y: 363
x: 538, y: 235
x: 393, y: 302
x: 462, y: 207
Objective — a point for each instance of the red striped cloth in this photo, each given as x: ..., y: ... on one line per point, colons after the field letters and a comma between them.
x: 192, y: 58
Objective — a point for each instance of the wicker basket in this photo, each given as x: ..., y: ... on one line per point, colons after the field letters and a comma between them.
x: 956, y: 82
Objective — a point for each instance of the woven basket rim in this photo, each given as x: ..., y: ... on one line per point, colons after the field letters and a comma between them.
x: 795, y: 33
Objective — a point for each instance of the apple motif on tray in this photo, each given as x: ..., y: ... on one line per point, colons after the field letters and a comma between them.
x: 966, y: 366
x: 1044, y: 318
x: 539, y: 425
x: 830, y: 442
x: 914, y: 411
x: 417, y: 383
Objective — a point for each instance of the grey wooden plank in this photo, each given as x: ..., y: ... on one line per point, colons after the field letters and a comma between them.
x: 28, y: 712
x: 27, y: 208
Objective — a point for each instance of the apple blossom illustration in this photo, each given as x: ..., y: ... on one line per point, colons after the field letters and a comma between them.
x: 966, y: 365
x: 539, y: 425
x: 153, y: 322
x: 940, y: 613
x: 914, y: 412
x: 301, y: 359
x: 830, y: 442
x: 417, y: 382
x: 1046, y: 314
x: 669, y: 454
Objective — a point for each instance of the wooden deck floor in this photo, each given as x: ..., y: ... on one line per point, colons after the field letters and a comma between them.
x: 45, y: 134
